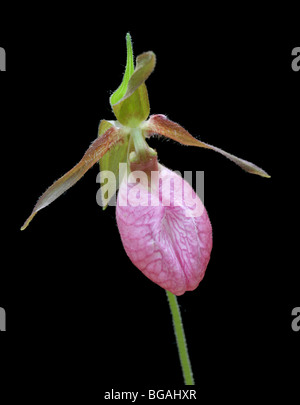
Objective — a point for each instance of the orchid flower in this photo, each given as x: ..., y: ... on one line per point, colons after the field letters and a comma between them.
x: 165, y: 231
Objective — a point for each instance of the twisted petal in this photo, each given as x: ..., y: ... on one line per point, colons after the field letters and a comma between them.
x: 97, y: 149
x: 161, y: 125
x: 167, y: 235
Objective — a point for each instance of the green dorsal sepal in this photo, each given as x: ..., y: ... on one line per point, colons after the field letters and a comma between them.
x: 130, y: 101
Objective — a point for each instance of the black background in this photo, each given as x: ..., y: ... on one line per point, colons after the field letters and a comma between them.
x: 79, y: 314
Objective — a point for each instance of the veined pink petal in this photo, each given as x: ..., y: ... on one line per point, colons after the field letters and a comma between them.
x: 168, y: 235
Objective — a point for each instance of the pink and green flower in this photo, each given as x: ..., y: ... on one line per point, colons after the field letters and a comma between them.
x: 165, y: 231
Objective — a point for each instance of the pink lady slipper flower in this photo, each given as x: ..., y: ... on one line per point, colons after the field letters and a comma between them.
x: 166, y: 231
x: 164, y: 227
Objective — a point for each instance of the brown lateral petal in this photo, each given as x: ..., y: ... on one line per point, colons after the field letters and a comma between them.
x: 97, y: 149
x: 161, y: 125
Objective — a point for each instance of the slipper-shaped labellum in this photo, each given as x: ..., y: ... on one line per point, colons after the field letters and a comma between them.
x: 166, y: 233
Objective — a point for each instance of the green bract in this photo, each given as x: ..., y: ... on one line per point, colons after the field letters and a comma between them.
x: 121, y: 90
x: 130, y: 101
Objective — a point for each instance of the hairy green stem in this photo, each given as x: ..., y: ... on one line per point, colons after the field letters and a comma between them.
x: 180, y: 339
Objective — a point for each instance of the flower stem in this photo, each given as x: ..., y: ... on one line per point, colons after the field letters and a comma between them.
x: 180, y: 339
